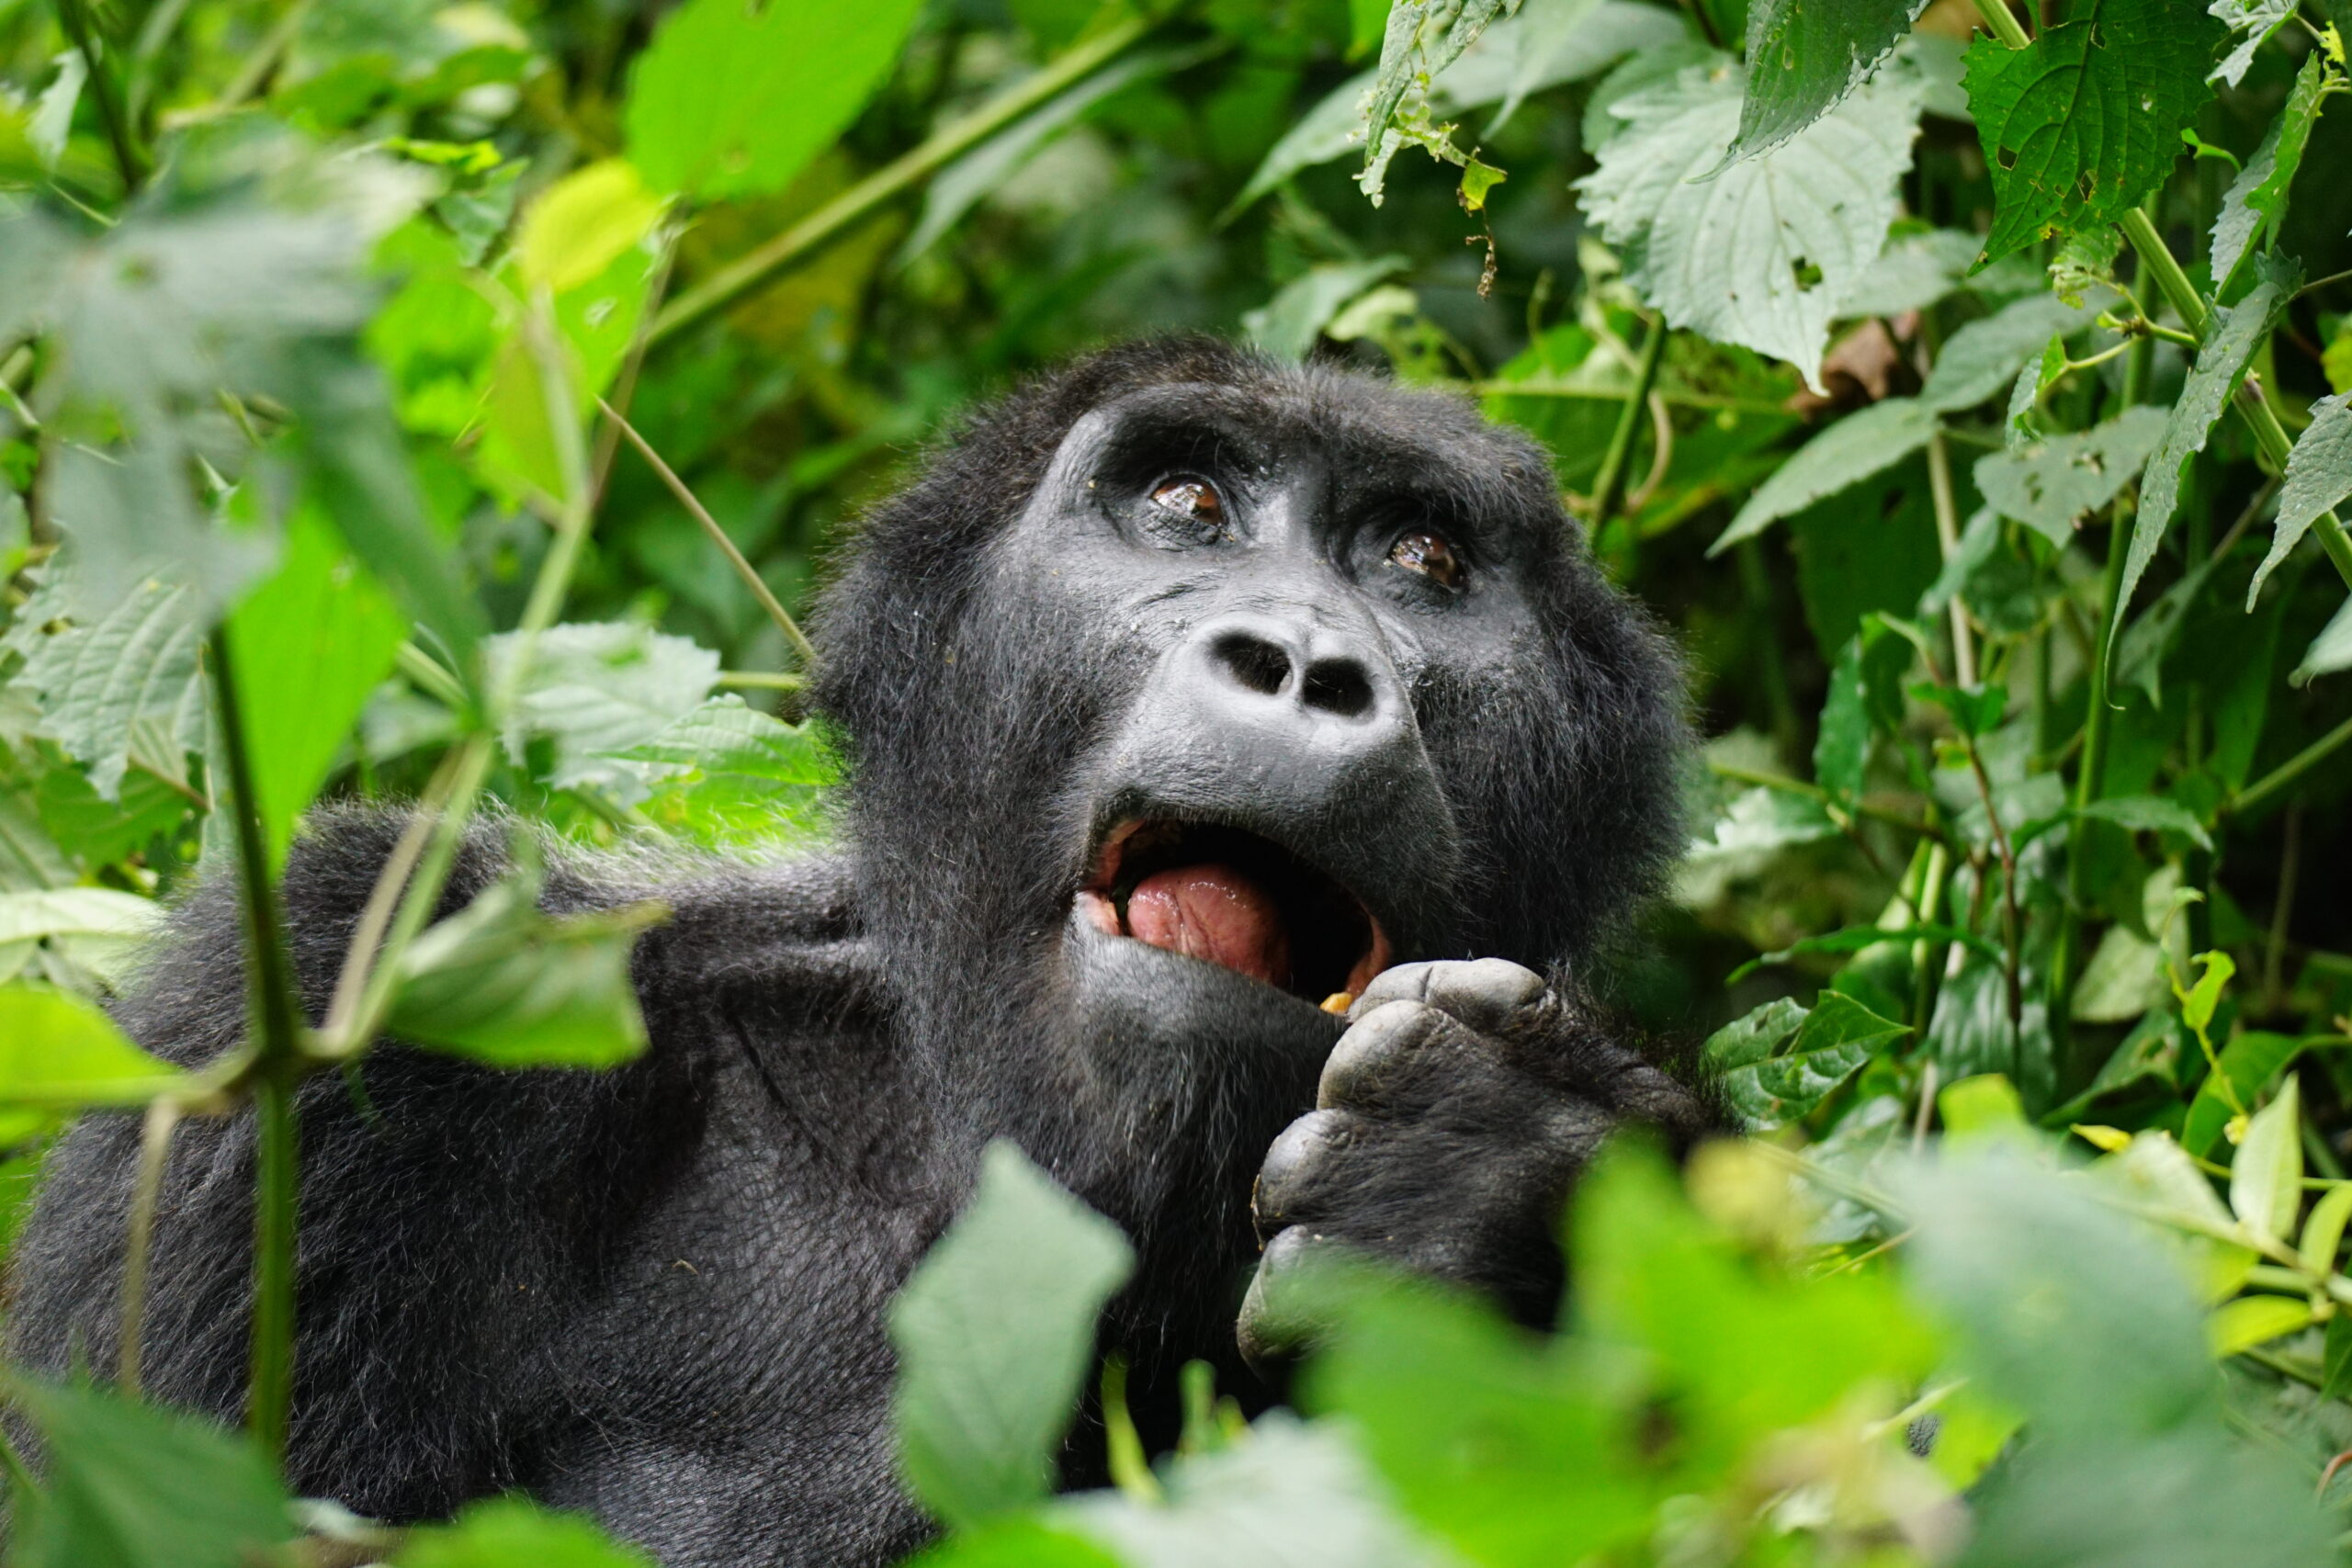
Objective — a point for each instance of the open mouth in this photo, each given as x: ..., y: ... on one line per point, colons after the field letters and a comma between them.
x: 1235, y: 900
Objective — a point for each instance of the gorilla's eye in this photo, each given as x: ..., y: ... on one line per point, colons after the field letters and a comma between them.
x: 1194, y: 499
x: 1428, y: 554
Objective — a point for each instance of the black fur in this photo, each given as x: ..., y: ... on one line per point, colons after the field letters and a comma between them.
x: 657, y: 1293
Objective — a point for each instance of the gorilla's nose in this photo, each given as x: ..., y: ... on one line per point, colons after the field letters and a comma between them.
x: 1305, y: 682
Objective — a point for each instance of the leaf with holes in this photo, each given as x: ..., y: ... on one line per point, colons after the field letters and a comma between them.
x: 122, y: 689
x: 2084, y: 120
x: 1423, y: 37
x: 2051, y: 485
x: 2231, y: 342
x: 1805, y: 56
x: 2256, y: 202
x: 1765, y: 253
x: 2319, y: 478
x: 1983, y: 357
x: 1849, y: 451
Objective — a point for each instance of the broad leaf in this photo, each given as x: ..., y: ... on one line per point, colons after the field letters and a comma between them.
x: 57, y: 1051
x: 729, y: 775
x: 1770, y: 1086
x: 2231, y: 342
x: 733, y: 100
x: 1982, y: 358
x: 1288, y: 325
x: 2256, y: 202
x: 2249, y: 1321
x: 994, y: 1332
x: 309, y: 645
x: 130, y: 1485
x: 2318, y: 480
x: 596, y: 688
x: 1763, y: 818
x: 1847, y: 452
x: 583, y: 222
x: 2050, y: 486
x: 98, y: 929
x: 1764, y: 252
x: 2083, y: 121
x: 1805, y: 56
x: 2154, y: 814
x: 122, y: 688
x: 2267, y: 1176
x: 2251, y: 21
x: 507, y: 984
x: 505, y: 1533
x: 2323, y: 1231
x: 2329, y: 651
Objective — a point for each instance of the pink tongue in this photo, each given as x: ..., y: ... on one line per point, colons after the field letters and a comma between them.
x: 1212, y: 913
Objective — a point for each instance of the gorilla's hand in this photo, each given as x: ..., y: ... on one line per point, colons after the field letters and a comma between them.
x: 1451, y: 1118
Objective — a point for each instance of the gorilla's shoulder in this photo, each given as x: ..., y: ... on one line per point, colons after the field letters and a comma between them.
x: 788, y: 931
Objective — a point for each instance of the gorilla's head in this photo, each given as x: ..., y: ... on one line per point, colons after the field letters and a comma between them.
x: 1184, y: 689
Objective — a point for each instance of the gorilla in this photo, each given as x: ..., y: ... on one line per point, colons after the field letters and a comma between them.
x: 1242, y: 759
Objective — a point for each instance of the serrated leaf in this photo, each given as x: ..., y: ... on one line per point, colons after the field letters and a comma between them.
x: 60, y: 1050
x: 1805, y: 56
x: 2249, y: 1321
x: 1981, y: 357
x: 2319, y: 478
x: 2256, y: 201
x: 2083, y: 121
x: 731, y: 99
x: 98, y: 929
x: 122, y: 688
x: 2252, y: 21
x: 2050, y: 486
x: 2152, y: 813
x: 1764, y: 818
x: 596, y: 688
x: 2267, y: 1177
x: 1764, y: 252
x: 1912, y: 273
x: 2323, y: 1230
x: 727, y: 774
x: 2231, y: 342
x: 1770, y: 1088
x: 1423, y: 36
x: 507, y: 984
x: 1865, y: 442
x: 994, y: 1332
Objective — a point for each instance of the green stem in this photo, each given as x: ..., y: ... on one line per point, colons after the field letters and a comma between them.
x: 129, y: 157
x: 1947, y: 510
x: 2090, y: 778
x: 2256, y: 793
x: 2003, y: 25
x: 277, y: 1065
x: 951, y: 142
x: 1608, y: 487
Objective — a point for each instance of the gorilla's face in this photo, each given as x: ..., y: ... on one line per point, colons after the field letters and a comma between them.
x: 1269, y: 589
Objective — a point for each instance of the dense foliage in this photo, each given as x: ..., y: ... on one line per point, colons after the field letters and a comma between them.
x: 398, y: 400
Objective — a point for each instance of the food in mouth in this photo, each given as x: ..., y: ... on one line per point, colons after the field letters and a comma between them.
x: 1232, y: 899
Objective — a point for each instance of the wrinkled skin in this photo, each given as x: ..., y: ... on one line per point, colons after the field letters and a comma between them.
x: 1179, y: 692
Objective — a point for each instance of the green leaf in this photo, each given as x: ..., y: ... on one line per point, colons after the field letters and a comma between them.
x: 727, y: 774
x: 2249, y: 1321
x: 1763, y: 818
x: 507, y: 1532
x: 596, y: 688
x: 1982, y: 358
x: 1986, y: 1104
x: 2152, y: 813
x: 1973, y: 713
x: 2085, y: 120
x: 98, y: 929
x: 1860, y: 939
x: 994, y: 1332
x: 2267, y: 1177
x: 129, y: 1485
x: 2323, y: 1230
x: 586, y: 221
x: 1422, y: 38
x: 2050, y: 486
x: 1764, y: 252
x: 2319, y: 478
x: 731, y: 99
x: 2231, y: 342
x: 1849, y: 451
x: 1014, y: 1543
x: 57, y: 1051
x: 503, y: 982
x: 2252, y: 21
x: 309, y: 644
x: 2157, y: 1175
x: 2329, y: 651
x: 122, y: 689
x: 2199, y: 1004
x: 1805, y: 56
x: 1770, y: 1088
x: 2256, y: 202
x: 2250, y: 1062
x: 1915, y: 270
x: 1288, y: 325
x: 2336, y: 1363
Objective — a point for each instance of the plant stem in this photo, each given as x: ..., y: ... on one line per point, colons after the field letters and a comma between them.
x: 1940, y: 490
x: 951, y: 142
x: 154, y: 1148
x: 2090, y: 776
x: 743, y: 567
x: 1609, y: 487
x: 277, y: 1065
x: 129, y: 157
x: 2288, y: 772
x: 2001, y: 24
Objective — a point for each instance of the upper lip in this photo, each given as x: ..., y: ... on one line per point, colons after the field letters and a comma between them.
x: 1336, y: 941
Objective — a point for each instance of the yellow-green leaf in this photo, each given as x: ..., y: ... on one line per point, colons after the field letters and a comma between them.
x: 2249, y: 1321
x: 2266, y: 1178
x: 2323, y: 1231
x: 60, y: 1050
x: 582, y: 222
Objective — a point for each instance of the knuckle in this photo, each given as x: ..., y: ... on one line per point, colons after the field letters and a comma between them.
x: 1369, y: 1055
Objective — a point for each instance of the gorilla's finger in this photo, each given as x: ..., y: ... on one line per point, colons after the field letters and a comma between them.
x: 1301, y: 1168
x: 1385, y: 1051
x: 1273, y: 1325
x: 1482, y: 992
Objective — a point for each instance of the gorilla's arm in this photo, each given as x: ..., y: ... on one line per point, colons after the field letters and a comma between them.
x: 654, y: 1291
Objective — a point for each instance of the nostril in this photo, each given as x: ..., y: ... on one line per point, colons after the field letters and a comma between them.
x: 1251, y: 662
x: 1338, y: 686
